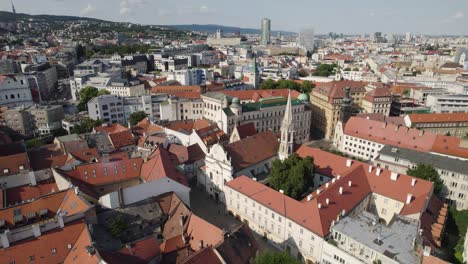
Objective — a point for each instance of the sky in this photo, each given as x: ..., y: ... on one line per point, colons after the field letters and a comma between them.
x: 340, y: 16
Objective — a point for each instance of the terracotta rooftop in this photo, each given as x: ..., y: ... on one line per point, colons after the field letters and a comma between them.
x: 145, y: 127
x: 307, y: 214
x: 159, y: 165
x: 380, y: 93
x: 65, y: 201
x: 212, y: 135
x: 246, y: 130
x: 13, y: 159
x: 252, y: 150
x: 119, y: 135
x: 396, y: 120
x: 187, y: 125
x: 140, y: 252
x: 107, y: 172
x: 390, y: 134
x: 52, y: 247
x: 47, y: 157
x: 24, y: 193
x: 449, y: 146
x: 336, y: 89
x: 438, y: 118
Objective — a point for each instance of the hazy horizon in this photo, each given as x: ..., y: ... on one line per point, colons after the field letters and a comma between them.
x: 398, y: 16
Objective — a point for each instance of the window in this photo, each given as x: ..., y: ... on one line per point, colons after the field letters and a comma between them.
x: 301, y: 231
x: 384, y: 211
x: 54, y: 251
x: 21, y: 167
x: 6, y: 170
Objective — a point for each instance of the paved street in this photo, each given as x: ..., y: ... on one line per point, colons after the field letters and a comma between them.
x: 215, y: 213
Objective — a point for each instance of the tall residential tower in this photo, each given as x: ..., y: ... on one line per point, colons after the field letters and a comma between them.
x: 265, y: 37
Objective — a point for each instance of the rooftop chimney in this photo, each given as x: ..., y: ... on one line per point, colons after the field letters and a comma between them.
x: 327, y: 184
x: 201, y: 244
x: 338, y: 177
x: 333, y: 180
x: 378, y: 171
x: 5, y: 240
x: 327, y: 201
x: 349, y: 163
x: 350, y: 183
x: 182, y: 219
x: 281, y: 191
x: 309, y: 197
x: 36, y: 230
x: 421, y: 133
x: 319, y: 205
x: 341, y: 190
x: 370, y: 168
x: 343, y: 212
x: 255, y: 179
x: 318, y: 191
x: 394, y: 176
x: 409, y: 198
x: 413, y: 181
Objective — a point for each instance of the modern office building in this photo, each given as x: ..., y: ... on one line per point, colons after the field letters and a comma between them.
x: 306, y: 38
x: 265, y: 37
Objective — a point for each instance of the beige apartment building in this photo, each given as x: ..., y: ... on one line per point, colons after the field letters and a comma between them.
x: 326, y: 101
x: 34, y: 120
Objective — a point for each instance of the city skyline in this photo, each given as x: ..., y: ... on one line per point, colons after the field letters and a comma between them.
x: 419, y: 17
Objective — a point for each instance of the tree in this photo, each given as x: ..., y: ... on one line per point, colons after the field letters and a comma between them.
x: 303, y: 73
x: 137, y: 117
x: 307, y: 86
x: 325, y: 70
x: 427, y: 172
x: 268, y: 257
x: 86, y: 126
x: 293, y: 175
x: 88, y: 93
x: 268, y: 84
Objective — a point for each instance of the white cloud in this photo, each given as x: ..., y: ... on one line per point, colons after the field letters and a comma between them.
x: 458, y: 15
x: 453, y: 18
x: 88, y: 10
x: 125, y: 10
x: 372, y: 14
x: 127, y: 5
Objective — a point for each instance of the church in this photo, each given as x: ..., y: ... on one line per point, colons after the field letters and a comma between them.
x: 251, y: 156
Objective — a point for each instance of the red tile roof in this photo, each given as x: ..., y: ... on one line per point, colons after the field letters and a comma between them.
x: 140, y: 252
x: 336, y: 89
x: 204, y: 256
x: 252, y: 150
x: 246, y: 130
x: 78, y: 253
x: 307, y: 213
x: 64, y: 201
x: 389, y: 134
x: 27, y: 192
x: 145, y: 127
x: 12, y: 156
x: 159, y: 165
x: 200, y: 230
x: 187, y: 125
x: 438, y: 118
x: 119, y: 135
x: 256, y: 95
x: 212, y: 135
x: 48, y: 157
x: 450, y: 146
x: 396, y: 120
x: 107, y: 172
x: 378, y: 93
x: 50, y: 247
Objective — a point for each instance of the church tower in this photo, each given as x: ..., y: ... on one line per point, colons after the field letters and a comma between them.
x: 255, y: 74
x: 287, y: 132
x: 346, y: 106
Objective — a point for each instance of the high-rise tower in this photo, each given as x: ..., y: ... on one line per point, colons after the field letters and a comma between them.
x: 265, y: 37
x: 287, y: 132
